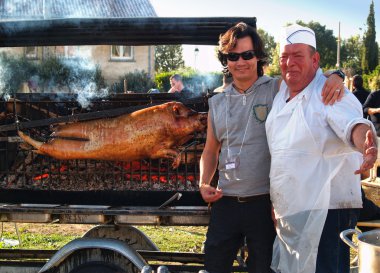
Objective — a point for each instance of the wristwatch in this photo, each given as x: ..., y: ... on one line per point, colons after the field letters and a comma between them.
x: 340, y: 73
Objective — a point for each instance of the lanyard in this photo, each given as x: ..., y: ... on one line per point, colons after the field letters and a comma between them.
x: 228, y: 98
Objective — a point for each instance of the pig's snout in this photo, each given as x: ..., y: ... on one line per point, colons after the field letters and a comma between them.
x: 200, y: 116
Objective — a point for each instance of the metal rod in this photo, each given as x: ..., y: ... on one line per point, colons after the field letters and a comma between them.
x: 73, y: 118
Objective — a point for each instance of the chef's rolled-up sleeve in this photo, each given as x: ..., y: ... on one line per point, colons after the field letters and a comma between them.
x: 343, y: 116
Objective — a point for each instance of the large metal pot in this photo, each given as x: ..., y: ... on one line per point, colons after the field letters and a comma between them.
x: 368, y: 248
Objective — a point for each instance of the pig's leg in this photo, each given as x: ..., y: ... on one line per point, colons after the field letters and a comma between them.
x: 168, y: 153
x: 74, y: 130
x: 36, y: 144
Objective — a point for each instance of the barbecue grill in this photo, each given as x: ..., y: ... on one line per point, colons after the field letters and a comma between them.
x: 26, y: 177
x: 144, y: 182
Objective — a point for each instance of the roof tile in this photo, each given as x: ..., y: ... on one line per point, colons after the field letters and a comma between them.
x: 53, y: 9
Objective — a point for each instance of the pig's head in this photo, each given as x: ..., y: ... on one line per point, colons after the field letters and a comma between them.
x: 185, y: 121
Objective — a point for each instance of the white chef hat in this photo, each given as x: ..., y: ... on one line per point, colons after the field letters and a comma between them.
x: 296, y: 34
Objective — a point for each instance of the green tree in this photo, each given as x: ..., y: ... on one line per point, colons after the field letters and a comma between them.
x: 370, y: 49
x: 351, y: 55
x: 372, y: 81
x: 274, y: 68
x: 269, y: 44
x: 168, y: 58
x: 326, y: 43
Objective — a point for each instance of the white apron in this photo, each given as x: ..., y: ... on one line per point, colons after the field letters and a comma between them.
x: 300, y: 180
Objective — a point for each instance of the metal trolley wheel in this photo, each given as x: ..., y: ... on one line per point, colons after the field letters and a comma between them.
x: 96, y: 261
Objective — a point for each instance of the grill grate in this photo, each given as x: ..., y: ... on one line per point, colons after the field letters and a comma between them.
x: 24, y: 170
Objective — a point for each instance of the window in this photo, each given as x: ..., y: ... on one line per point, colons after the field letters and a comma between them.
x: 31, y: 52
x: 66, y: 51
x: 121, y: 52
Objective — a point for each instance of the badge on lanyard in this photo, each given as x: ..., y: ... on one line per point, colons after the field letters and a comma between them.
x: 232, y: 162
x: 231, y: 167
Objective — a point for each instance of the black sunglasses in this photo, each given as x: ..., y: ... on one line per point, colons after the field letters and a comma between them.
x: 246, y: 55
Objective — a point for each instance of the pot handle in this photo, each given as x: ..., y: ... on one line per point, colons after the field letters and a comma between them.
x: 345, y: 233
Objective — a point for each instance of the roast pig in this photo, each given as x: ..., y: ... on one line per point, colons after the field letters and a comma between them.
x: 154, y: 132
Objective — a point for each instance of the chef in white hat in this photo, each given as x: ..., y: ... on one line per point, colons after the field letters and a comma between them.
x: 315, y: 162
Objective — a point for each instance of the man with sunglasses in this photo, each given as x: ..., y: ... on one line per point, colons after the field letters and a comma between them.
x: 314, y: 187
x: 236, y: 143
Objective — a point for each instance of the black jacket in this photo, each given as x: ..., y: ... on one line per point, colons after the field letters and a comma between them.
x: 361, y: 95
x: 373, y: 101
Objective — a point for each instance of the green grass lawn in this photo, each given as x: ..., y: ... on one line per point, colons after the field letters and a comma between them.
x: 54, y: 236
x: 179, y: 238
x: 37, y: 236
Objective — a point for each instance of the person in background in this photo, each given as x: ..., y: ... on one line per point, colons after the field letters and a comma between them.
x: 227, y: 80
x: 371, y: 108
x: 360, y: 93
x: 237, y: 144
x: 177, y: 85
x: 314, y: 154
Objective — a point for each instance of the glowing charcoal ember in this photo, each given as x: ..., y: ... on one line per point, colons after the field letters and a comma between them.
x: 39, y: 177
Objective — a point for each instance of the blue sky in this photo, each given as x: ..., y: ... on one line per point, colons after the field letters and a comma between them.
x: 272, y: 15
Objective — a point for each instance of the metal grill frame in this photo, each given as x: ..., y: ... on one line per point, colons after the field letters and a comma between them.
x: 43, y: 109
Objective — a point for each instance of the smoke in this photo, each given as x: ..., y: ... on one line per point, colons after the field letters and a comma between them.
x: 77, y: 74
x: 6, y: 97
x: 82, y: 80
x: 201, y: 84
x: 89, y: 92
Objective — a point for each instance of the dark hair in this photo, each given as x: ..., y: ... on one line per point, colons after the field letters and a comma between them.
x: 228, y: 40
x: 176, y: 77
x: 358, y: 82
x: 227, y: 79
